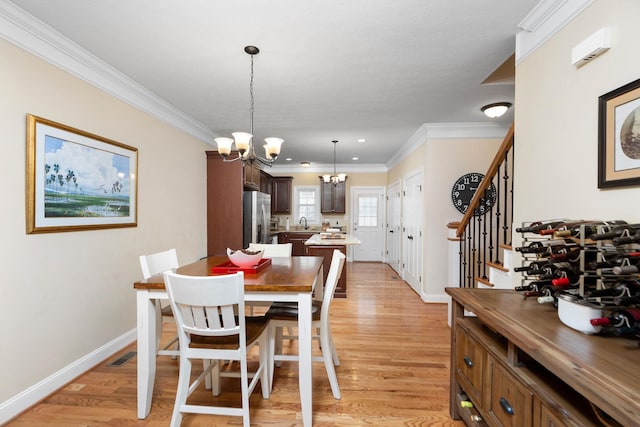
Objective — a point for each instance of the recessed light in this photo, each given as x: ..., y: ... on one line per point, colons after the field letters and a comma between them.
x: 288, y: 159
x: 361, y: 140
x: 354, y: 158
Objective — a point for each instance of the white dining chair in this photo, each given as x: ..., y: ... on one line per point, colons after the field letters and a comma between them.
x: 273, y: 250
x: 286, y: 316
x: 209, y: 313
x: 155, y: 264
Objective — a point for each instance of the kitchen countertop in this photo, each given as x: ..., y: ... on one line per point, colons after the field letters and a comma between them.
x: 317, y: 240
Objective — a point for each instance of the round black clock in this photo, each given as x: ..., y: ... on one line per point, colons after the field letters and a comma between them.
x: 464, y: 189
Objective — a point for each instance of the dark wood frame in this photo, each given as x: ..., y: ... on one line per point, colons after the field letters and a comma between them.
x: 623, y: 98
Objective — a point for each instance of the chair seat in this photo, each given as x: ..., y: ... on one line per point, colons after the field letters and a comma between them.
x: 255, y: 326
x: 289, y: 311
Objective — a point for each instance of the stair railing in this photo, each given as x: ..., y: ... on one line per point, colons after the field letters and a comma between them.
x: 483, y: 232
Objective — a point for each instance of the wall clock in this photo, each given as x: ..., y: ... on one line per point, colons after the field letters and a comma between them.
x: 464, y: 189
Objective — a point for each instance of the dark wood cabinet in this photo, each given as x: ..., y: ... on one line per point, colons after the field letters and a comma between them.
x: 281, y: 187
x: 224, y: 204
x: 265, y: 182
x: 252, y: 176
x: 332, y: 197
x: 520, y: 366
x: 326, y: 252
x: 297, y: 242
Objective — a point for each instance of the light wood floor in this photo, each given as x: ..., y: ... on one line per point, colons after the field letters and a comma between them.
x: 394, y: 353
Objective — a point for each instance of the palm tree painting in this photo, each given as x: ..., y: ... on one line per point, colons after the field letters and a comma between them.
x: 83, y: 181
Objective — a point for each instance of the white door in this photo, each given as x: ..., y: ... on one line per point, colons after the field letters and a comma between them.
x: 368, y: 223
x: 394, y: 222
x: 412, y: 230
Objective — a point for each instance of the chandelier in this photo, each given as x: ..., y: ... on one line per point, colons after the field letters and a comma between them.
x: 244, y: 140
x: 336, y: 177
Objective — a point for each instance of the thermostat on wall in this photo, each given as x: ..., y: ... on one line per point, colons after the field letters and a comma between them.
x: 598, y: 43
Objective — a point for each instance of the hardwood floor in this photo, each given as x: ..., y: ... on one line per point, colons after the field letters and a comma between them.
x: 394, y: 353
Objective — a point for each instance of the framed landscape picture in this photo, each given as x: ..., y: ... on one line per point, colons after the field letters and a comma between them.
x: 77, y: 180
x: 619, y: 137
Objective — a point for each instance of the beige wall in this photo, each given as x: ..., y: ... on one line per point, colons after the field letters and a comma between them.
x: 442, y: 162
x: 556, y: 139
x: 66, y: 294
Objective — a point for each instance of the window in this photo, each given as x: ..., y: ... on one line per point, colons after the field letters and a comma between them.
x: 367, y: 211
x: 306, y: 203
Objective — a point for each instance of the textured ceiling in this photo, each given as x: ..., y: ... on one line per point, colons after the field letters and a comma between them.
x: 330, y: 69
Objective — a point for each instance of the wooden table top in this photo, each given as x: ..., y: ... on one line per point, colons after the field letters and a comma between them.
x: 295, y: 274
x: 606, y: 370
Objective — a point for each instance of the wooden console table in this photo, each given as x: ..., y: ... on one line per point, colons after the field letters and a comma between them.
x: 519, y: 365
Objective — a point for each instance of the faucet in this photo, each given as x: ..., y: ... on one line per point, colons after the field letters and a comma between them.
x: 305, y: 222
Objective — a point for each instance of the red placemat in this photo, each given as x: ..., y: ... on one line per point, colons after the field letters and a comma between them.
x: 228, y: 267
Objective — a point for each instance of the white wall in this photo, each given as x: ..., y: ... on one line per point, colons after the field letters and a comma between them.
x: 556, y: 119
x: 64, y: 295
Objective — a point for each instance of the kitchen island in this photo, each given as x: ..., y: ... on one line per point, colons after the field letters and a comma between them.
x: 323, y: 245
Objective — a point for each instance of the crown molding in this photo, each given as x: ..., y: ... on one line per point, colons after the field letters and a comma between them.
x: 447, y: 131
x: 34, y: 36
x: 545, y: 19
x: 322, y: 169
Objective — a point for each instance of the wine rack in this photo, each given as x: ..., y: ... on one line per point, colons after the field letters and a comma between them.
x: 598, y: 262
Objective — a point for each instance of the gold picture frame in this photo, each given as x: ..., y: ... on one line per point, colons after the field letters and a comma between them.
x: 619, y: 137
x: 77, y: 180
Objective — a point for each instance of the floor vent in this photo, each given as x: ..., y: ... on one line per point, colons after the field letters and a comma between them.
x: 122, y: 360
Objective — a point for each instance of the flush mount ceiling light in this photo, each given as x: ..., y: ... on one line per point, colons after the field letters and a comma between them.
x: 244, y: 140
x: 305, y: 164
x: 336, y: 177
x: 496, y: 110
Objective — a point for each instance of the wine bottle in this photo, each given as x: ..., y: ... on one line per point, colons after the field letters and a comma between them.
x: 618, y: 318
x: 626, y: 239
x: 617, y: 232
x: 537, y: 226
x: 617, y: 289
x: 563, y: 226
x: 551, y: 246
x: 586, y: 230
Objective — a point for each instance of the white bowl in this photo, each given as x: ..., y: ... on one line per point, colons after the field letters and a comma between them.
x: 244, y: 260
x: 578, y: 316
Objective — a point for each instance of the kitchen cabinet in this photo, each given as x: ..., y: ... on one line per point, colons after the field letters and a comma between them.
x: 251, y: 176
x: 224, y: 204
x: 297, y: 240
x: 281, y: 187
x: 265, y: 182
x: 519, y: 365
x: 332, y: 197
x: 326, y: 251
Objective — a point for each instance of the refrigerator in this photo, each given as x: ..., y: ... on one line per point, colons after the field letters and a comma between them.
x: 256, y: 218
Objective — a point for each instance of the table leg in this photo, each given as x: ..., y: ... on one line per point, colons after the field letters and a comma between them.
x: 146, y: 330
x: 305, y: 363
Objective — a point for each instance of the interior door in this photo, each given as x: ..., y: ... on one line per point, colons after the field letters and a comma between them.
x: 394, y: 222
x: 368, y: 223
x: 412, y: 230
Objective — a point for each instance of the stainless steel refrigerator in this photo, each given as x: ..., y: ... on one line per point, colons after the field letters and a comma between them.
x: 256, y: 211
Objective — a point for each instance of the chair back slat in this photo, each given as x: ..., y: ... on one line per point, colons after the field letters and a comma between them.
x: 273, y: 250
x: 207, y: 305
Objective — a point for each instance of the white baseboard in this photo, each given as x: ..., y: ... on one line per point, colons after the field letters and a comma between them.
x: 29, y: 397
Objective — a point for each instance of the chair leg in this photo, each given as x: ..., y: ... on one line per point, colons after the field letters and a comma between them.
x: 278, y: 344
x: 265, y: 376
x: 245, y: 392
x: 327, y: 357
x: 184, y: 377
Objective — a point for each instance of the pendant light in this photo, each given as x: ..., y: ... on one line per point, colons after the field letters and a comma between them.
x: 336, y: 177
x: 243, y: 140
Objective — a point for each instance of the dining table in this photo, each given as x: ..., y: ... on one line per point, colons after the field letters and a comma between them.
x: 285, y: 279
